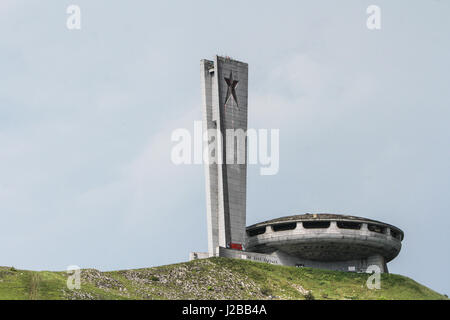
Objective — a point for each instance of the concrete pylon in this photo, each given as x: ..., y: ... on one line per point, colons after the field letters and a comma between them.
x: 225, y: 99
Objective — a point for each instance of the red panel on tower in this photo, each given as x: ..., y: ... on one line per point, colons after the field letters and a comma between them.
x: 236, y: 246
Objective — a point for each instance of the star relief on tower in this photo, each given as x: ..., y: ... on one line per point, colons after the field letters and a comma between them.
x: 231, y: 91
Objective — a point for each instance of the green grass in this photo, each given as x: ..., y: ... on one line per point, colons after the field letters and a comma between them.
x: 214, y: 278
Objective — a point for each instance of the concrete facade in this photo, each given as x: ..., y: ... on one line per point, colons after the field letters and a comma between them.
x: 281, y: 258
x: 224, y: 90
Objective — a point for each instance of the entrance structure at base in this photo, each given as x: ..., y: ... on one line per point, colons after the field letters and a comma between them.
x: 327, y: 241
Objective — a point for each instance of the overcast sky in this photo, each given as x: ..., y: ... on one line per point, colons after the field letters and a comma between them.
x: 86, y: 118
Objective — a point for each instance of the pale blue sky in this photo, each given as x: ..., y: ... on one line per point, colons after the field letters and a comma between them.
x: 86, y: 118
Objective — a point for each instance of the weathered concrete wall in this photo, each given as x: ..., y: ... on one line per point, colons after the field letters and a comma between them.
x: 225, y: 87
x: 198, y: 255
x: 211, y: 169
x: 281, y: 258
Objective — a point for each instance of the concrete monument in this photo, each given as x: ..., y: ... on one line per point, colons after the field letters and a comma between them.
x: 327, y: 241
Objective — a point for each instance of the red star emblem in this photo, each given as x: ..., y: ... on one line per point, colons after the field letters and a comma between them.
x: 231, y: 91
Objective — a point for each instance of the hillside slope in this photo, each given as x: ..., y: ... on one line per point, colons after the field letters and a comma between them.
x: 214, y: 278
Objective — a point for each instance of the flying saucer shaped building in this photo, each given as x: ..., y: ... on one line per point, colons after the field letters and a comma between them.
x: 327, y: 241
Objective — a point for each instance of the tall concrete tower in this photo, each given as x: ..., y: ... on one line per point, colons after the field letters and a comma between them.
x: 225, y: 95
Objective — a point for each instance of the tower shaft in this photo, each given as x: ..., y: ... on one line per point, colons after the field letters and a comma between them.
x: 225, y: 99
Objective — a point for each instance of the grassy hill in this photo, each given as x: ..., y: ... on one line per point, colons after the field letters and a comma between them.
x: 214, y: 278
